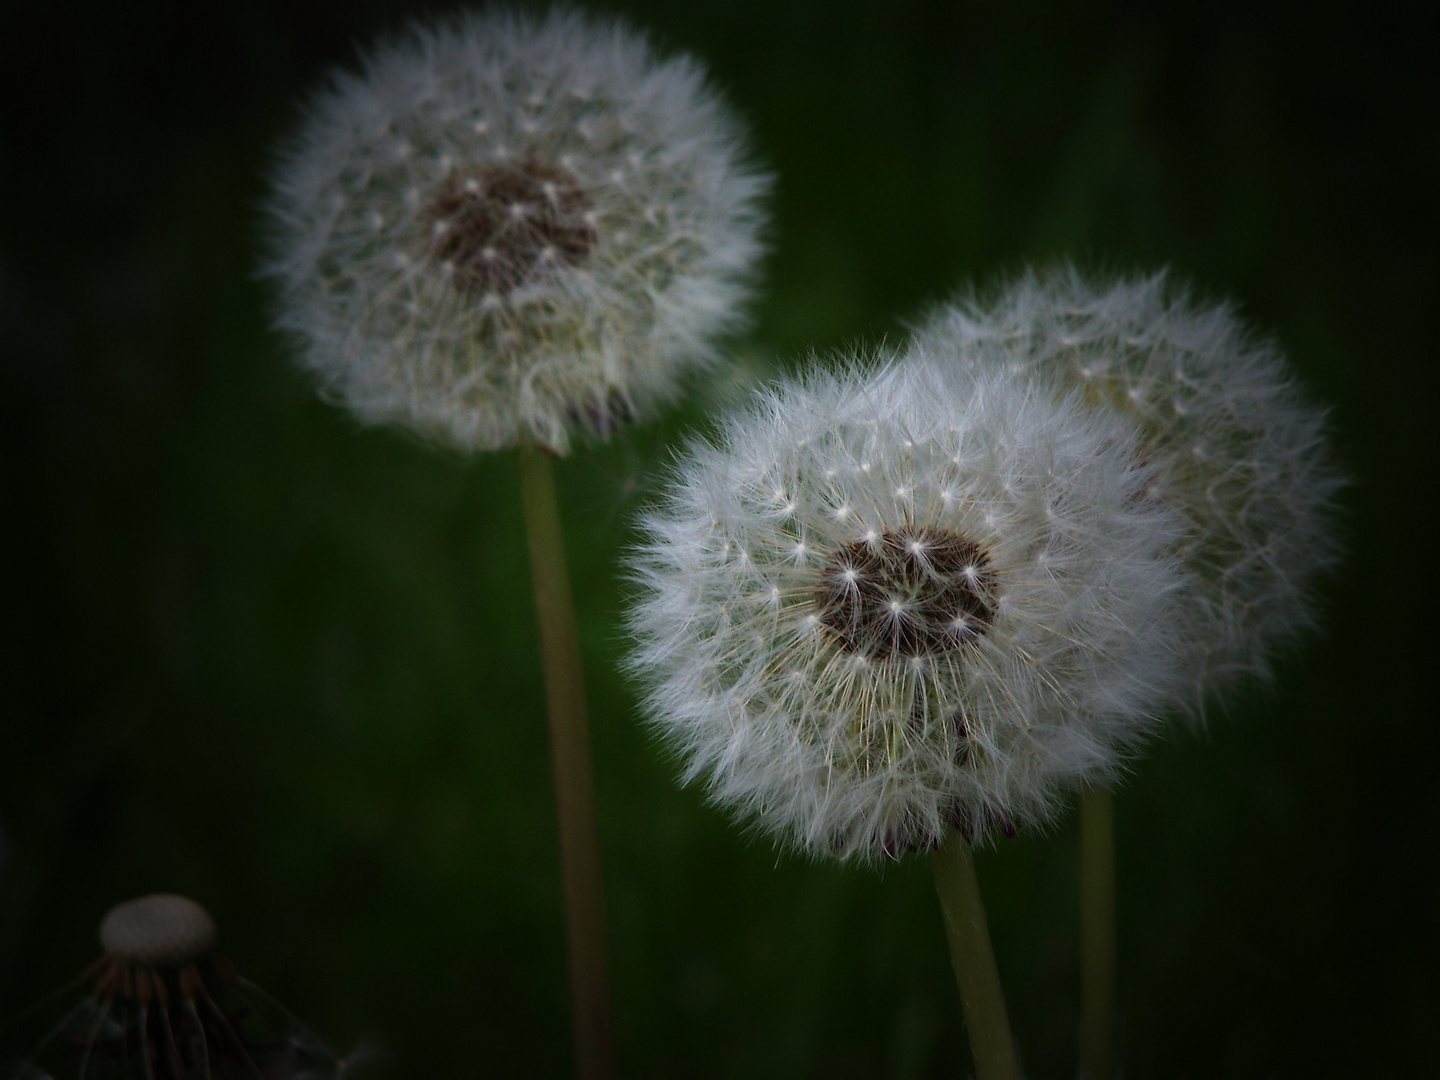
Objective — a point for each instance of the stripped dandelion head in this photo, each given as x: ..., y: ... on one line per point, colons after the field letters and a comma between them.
x: 513, y: 229
x: 158, y: 931
x: 161, y: 1003
x: 877, y: 608
x: 1237, y: 450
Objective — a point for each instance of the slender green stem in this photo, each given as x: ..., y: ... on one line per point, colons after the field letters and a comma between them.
x: 1097, y: 936
x: 986, y: 1022
x: 570, y: 759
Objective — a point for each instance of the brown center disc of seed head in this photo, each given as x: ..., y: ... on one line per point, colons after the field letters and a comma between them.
x: 159, y: 931
x: 495, y: 227
x: 913, y: 592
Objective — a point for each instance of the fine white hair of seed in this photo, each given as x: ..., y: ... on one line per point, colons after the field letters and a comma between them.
x: 158, y: 931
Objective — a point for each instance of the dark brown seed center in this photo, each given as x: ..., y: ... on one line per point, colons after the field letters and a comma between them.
x: 914, y: 592
x: 497, y: 227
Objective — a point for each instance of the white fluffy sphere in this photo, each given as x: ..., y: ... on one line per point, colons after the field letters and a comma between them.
x: 878, y: 607
x: 1238, y: 450
x: 510, y: 229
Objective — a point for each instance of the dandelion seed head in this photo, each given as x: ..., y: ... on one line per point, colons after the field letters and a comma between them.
x: 509, y: 228
x: 944, y: 678
x: 1234, y: 446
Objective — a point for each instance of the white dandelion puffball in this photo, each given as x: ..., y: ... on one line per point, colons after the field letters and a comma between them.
x: 1237, y: 449
x: 511, y: 228
x: 878, y: 608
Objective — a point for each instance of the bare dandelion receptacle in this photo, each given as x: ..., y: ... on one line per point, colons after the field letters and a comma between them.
x: 162, y: 1003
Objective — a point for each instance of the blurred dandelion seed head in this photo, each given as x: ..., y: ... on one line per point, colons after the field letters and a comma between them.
x: 877, y: 607
x: 511, y: 228
x: 1236, y: 448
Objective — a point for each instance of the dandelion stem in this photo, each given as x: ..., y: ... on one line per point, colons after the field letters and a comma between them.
x: 1097, y: 935
x: 981, y: 997
x: 570, y: 759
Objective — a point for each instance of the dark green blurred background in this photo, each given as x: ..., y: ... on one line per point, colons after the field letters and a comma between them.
x: 289, y: 668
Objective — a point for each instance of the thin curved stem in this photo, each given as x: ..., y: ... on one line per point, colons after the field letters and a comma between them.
x: 570, y: 760
x: 1097, y: 936
x: 981, y: 998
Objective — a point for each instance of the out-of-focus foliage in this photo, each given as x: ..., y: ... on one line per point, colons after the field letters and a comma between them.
x: 287, y: 667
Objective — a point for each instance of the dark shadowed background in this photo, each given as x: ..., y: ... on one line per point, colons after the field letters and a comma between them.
x: 289, y: 668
